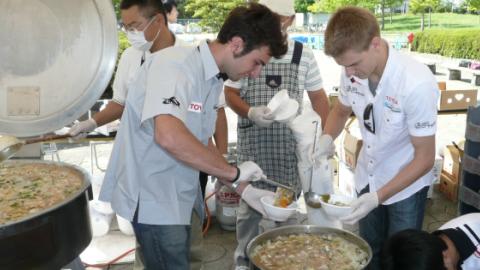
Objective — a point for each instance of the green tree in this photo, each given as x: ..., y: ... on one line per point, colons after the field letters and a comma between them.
x: 211, y: 13
x: 116, y: 6
x: 332, y: 5
x: 474, y: 5
x: 301, y: 6
x: 422, y: 6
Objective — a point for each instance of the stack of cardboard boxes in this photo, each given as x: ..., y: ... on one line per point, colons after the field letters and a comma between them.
x: 451, y: 172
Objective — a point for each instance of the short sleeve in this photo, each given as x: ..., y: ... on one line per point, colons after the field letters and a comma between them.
x: 313, y: 79
x: 342, y: 92
x: 221, y: 100
x: 167, y: 91
x: 234, y: 84
x: 121, y: 79
x: 421, y: 110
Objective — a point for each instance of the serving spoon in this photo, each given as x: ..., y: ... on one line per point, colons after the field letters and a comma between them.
x: 313, y: 199
x: 9, y: 145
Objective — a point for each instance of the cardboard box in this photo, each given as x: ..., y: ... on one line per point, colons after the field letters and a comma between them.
x: 442, y: 86
x: 449, y: 187
x: 351, y: 147
x: 451, y: 100
x: 452, y: 162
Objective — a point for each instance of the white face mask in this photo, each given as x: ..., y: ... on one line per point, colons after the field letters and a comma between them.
x: 137, y: 38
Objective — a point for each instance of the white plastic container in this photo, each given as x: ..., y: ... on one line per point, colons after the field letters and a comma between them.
x: 125, y: 226
x: 101, y: 215
x: 210, y: 188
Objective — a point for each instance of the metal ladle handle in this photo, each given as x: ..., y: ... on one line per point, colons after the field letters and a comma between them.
x: 313, y: 152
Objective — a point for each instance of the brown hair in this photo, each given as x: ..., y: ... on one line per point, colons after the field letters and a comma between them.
x: 350, y: 28
x: 257, y: 26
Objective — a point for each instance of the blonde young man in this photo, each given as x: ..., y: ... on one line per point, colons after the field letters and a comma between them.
x: 268, y: 143
x: 394, y: 98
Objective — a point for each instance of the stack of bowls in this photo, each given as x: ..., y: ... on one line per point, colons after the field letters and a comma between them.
x: 283, y: 108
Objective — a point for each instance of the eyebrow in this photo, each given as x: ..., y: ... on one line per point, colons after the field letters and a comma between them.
x: 354, y: 63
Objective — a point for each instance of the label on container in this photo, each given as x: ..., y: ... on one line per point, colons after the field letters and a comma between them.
x: 230, y: 211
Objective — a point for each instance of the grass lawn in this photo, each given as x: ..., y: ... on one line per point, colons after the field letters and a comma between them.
x: 410, y: 22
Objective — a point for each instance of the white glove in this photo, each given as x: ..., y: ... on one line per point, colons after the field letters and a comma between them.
x: 324, y: 148
x: 249, y: 171
x: 361, y: 207
x: 261, y: 116
x: 80, y: 129
x: 252, y: 197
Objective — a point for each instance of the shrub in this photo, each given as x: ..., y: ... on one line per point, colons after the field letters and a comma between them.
x: 122, y: 45
x: 457, y: 43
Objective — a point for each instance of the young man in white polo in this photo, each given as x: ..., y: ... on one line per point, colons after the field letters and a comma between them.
x: 395, y: 100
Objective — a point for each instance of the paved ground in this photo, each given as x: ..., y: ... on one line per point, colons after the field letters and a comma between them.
x: 219, y: 244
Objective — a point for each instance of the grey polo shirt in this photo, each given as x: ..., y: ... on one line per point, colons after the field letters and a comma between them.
x: 178, y: 81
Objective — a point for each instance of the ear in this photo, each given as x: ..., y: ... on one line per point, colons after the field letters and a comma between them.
x: 236, y: 45
x: 447, y: 261
x: 376, y: 42
x: 160, y: 19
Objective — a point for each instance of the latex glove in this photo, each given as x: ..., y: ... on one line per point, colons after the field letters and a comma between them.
x: 252, y: 196
x: 80, y: 129
x: 261, y: 116
x: 249, y: 171
x: 324, y: 148
x: 361, y: 207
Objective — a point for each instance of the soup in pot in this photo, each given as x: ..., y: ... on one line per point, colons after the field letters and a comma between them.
x: 304, y: 251
x: 27, y: 188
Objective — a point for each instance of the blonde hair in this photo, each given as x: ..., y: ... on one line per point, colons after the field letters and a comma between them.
x: 350, y: 28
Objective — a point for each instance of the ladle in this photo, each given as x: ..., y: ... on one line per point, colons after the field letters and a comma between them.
x: 9, y: 145
x: 313, y: 199
x: 271, y: 182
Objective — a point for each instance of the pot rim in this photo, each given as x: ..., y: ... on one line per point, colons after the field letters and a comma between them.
x: 308, y: 229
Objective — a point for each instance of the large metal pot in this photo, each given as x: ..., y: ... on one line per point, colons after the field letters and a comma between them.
x: 308, y: 229
x: 57, y: 58
x: 51, y: 238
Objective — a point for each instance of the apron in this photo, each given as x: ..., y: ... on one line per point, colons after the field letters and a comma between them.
x: 272, y: 148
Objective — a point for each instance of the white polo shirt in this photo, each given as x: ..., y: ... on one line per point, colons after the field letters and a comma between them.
x: 127, y: 69
x: 178, y: 81
x: 405, y: 105
x: 309, y: 77
x: 470, y: 225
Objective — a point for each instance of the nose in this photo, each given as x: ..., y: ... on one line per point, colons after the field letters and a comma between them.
x: 255, y: 72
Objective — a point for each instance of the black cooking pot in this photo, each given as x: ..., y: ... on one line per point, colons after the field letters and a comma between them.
x: 51, y: 238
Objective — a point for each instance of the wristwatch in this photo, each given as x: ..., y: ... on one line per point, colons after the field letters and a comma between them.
x: 235, y: 185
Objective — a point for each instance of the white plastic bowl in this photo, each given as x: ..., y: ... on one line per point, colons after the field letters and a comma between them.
x: 125, y: 226
x: 278, y: 100
x: 335, y: 210
x: 287, y: 112
x: 277, y: 213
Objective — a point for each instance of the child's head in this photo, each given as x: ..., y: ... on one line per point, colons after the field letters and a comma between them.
x: 413, y: 250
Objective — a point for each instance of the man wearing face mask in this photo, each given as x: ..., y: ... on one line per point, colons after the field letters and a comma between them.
x: 268, y: 143
x: 146, y: 34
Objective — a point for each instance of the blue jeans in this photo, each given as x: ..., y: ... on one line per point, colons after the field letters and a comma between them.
x: 386, y: 220
x: 164, y: 247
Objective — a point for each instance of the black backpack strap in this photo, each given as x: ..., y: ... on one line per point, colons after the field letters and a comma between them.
x: 297, y: 53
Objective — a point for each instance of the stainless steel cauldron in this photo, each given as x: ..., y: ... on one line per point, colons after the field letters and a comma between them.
x: 51, y: 238
x: 308, y: 229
